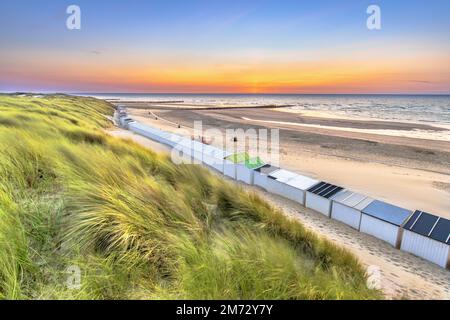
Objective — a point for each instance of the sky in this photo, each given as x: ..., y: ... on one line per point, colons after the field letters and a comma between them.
x: 214, y: 46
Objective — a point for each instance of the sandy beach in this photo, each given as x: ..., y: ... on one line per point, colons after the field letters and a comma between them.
x: 410, y: 172
x: 403, y: 276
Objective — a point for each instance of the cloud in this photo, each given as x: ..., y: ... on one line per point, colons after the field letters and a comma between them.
x: 420, y: 81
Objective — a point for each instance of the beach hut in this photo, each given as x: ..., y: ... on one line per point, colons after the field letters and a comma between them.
x: 347, y: 206
x: 230, y: 163
x: 208, y: 155
x: 214, y: 157
x: 290, y: 185
x: 189, y: 149
x: 274, y: 180
x: 229, y: 169
x: 261, y: 174
x: 157, y: 135
x: 164, y: 137
x: 295, y: 188
x: 245, y: 170
x: 197, y: 151
x: 428, y: 236
x: 125, y: 122
x: 320, y: 196
x: 174, y: 139
x: 183, y: 150
x: 384, y: 221
x: 144, y: 130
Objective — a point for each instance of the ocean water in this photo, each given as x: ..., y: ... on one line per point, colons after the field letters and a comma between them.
x: 409, y: 108
x: 425, y: 109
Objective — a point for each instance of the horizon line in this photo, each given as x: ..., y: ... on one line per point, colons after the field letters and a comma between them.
x: 223, y: 93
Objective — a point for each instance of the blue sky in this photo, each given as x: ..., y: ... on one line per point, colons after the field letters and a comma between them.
x: 158, y: 34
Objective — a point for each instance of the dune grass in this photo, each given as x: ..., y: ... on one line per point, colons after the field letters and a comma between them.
x: 137, y: 226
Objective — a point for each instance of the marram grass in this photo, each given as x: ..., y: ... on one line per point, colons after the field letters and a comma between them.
x: 137, y: 226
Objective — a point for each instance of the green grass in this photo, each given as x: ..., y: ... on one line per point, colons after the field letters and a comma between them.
x: 138, y: 226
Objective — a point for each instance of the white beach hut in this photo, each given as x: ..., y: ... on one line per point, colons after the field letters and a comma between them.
x: 164, y: 137
x: 208, y: 155
x: 213, y: 157
x: 245, y: 170
x: 174, y: 139
x: 274, y: 180
x: 183, y: 150
x: 320, y: 196
x: 296, y: 188
x: 428, y: 236
x: 347, y: 206
x: 384, y: 221
x: 261, y: 174
x: 125, y: 122
x: 290, y: 185
x: 229, y: 168
x: 144, y: 130
x: 230, y: 164
x: 197, y: 151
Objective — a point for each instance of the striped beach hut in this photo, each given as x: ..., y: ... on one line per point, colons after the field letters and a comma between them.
x: 320, y: 196
x: 428, y: 236
x: 384, y: 221
x: 347, y: 206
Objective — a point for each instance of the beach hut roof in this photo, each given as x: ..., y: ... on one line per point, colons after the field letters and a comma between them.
x: 238, y: 157
x: 431, y: 226
x: 176, y: 138
x: 282, y: 175
x: 387, y: 212
x: 215, y: 152
x: 302, y: 182
x: 222, y: 153
x: 185, y: 142
x: 254, y: 163
x: 353, y: 200
x: 325, y: 189
x: 267, y: 169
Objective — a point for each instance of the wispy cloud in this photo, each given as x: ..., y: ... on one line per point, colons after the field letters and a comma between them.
x: 420, y: 81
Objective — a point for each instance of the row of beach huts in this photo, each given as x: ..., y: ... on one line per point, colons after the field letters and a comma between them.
x: 417, y: 232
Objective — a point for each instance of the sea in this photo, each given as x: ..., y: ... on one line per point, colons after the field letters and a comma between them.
x: 433, y: 110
